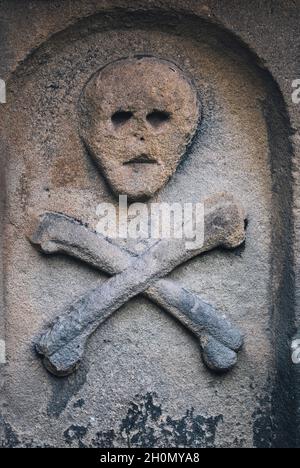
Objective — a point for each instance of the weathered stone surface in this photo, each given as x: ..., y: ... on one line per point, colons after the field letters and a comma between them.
x: 137, y: 118
x: 242, y: 58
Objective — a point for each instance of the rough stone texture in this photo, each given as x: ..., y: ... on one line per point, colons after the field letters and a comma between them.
x: 242, y: 57
x: 137, y: 118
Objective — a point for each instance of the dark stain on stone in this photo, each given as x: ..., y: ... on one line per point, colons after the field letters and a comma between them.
x: 11, y: 439
x: 75, y: 433
x: 79, y: 403
x: 104, y: 439
x: 263, y: 424
x: 147, y: 425
x: 138, y: 427
x: 64, y: 389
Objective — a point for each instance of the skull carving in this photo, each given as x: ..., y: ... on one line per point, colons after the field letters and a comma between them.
x: 137, y: 117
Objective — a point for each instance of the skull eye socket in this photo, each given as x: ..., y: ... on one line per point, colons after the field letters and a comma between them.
x: 120, y: 118
x: 158, y: 118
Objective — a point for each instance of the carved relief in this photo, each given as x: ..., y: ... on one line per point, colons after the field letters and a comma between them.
x: 137, y: 117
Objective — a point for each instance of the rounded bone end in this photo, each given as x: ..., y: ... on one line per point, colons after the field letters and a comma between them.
x: 216, y: 356
x: 226, y: 217
x: 62, y: 362
x: 57, y: 370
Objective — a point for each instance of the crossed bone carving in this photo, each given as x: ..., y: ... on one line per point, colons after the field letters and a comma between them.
x: 62, y: 345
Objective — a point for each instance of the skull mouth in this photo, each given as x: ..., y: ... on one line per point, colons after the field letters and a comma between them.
x: 141, y: 159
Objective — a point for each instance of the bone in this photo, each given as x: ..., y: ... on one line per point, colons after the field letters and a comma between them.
x: 57, y: 233
x: 63, y: 344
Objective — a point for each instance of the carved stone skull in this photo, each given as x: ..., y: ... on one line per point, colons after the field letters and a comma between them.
x: 137, y: 117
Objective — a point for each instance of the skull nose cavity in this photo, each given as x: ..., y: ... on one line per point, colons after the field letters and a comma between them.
x: 139, y: 137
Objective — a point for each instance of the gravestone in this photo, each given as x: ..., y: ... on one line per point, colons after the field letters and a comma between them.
x: 163, y: 102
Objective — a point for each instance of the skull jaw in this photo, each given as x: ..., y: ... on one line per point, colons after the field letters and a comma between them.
x: 138, y: 182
